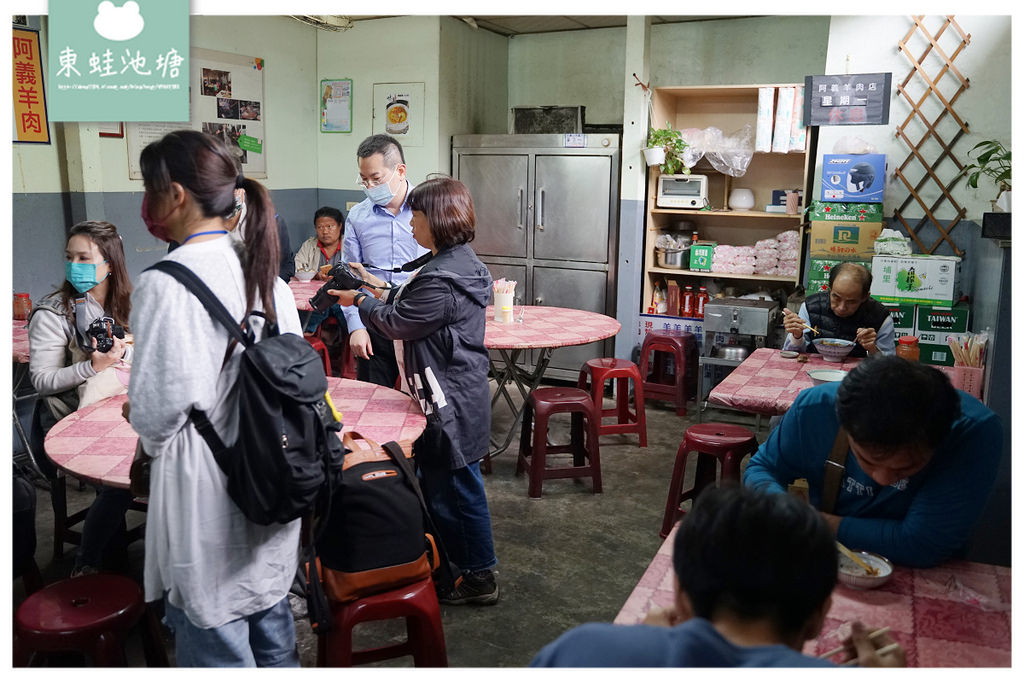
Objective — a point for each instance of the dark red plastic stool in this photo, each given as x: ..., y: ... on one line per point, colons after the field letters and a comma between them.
x: 88, y: 614
x: 596, y: 372
x: 417, y: 603
x: 533, y: 450
x: 727, y: 443
x: 318, y: 345
x: 678, y: 385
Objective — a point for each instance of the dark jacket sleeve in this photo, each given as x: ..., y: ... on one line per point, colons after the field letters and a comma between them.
x: 425, y: 306
x: 287, y: 257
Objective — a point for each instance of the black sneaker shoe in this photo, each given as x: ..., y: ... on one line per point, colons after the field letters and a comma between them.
x: 472, y: 588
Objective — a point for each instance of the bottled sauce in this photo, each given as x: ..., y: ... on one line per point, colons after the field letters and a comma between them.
x: 906, y: 347
x: 22, y: 306
x: 687, y: 308
x: 695, y: 238
x: 702, y: 298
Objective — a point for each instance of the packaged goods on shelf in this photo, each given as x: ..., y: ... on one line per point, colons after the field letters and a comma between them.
x: 853, y: 178
x: 904, y: 318
x: 841, y: 230
x: 919, y: 278
x: 766, y: 244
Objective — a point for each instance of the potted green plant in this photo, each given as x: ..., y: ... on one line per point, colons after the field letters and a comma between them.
x: 671, y: 144
x: 992, y: 159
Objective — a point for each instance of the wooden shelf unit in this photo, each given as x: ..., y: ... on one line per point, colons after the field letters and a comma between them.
x: 728, y: 108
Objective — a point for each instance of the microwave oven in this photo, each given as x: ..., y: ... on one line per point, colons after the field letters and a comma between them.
x: 682, y: 191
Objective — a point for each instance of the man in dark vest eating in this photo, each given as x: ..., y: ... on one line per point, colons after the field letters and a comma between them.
x: 846, y: 311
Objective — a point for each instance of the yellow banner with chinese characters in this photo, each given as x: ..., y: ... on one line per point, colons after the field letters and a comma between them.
x: 30, y: 122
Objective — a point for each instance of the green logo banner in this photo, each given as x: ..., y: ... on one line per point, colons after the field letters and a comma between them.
x: 118, y: 61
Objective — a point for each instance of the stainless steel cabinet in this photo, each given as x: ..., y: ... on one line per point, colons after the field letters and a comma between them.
x: 547, y: 217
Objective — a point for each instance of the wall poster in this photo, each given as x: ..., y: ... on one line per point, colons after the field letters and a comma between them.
x: 336, y: 105
x: 29, y: 96
x: 398, y: 111
x: 226, y: 100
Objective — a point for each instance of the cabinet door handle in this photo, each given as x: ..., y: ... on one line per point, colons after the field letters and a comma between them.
x: 538, y: 301
x: 520, y: 224
x: 540, y: 209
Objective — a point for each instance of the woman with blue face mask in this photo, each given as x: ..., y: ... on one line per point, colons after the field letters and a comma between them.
x: 66, y: 365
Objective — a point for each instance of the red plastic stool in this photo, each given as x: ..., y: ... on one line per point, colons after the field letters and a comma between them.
x: 416, y: 602
x: 710, y: 440
x: 675, y: 387
x: 88, y: 614
x: 318, y: 345
x: 533, y: 452
x: 596, y: 372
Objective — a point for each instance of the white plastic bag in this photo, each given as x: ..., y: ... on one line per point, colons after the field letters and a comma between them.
x: 695, y: 138
x: 731, y: 154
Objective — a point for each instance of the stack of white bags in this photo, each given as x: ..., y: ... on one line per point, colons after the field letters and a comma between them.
x: 730, y: 259
x: 777, y: 256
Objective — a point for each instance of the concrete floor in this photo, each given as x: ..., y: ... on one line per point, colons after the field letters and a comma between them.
x: 570, y: 557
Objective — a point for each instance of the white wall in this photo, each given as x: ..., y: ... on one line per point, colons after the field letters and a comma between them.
x: 393, y: 50
x: 985, y: 106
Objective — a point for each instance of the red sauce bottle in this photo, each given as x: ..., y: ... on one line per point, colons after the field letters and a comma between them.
x: 702, y: 299
x: 906, y: 347
x: 688, y: 302
x: 22, y: 306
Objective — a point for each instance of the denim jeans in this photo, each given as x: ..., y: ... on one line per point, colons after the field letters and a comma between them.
x: 458, y: 505
x: 263, y: 639
x: 103, y: 523
x: 317, y: 317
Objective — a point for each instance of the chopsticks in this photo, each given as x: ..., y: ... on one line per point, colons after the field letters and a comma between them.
x: 871, y: 636
x: 891, y: 647
x: 812, y: 329
x: 969, y: 352
x: 856, y: 558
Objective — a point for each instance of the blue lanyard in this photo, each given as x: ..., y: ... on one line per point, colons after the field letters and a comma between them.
x: 208, y: 232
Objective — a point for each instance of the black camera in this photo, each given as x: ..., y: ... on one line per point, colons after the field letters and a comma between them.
x: 342, y: 277
x: 104, y: 330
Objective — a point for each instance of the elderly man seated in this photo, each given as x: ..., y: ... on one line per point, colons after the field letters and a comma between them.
x: 846, y: 311
x: 897, y: 460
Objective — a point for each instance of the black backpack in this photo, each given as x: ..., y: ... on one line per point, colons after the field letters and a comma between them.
x: 287, y: 457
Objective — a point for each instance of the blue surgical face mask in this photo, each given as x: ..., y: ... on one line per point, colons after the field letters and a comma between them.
x: 381, y: 194
x: 82, y: 276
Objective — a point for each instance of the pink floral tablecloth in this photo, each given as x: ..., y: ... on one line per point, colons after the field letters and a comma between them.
x: 97, y: 444
x: 767, y: 384
x: 954, y: 615
x: 549, y: 327
x: 19, y: 344
x: 303, y: 291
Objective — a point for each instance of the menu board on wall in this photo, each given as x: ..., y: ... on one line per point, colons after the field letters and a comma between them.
x: 225, y: 99
x: 847, y: 100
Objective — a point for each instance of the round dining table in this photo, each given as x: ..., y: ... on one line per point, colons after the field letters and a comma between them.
x: 304, y: 291
x: 97, y: 444
x: 544, y: 328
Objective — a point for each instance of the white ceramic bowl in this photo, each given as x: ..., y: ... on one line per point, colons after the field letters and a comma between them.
x: 304, y: 275
x: 825, y: 376
x: 833, y: 350
x: 853, y: 575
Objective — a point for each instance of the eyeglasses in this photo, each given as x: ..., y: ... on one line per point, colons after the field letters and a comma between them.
x: 374, y: 182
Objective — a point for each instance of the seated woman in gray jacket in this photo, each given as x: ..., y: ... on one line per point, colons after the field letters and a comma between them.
x: 439, y: 314
x: 65, y: 362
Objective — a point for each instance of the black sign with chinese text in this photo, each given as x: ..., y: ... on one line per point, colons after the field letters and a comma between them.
x: 850, y: 100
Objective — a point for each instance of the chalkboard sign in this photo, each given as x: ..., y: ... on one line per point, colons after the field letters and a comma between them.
x: 551, y: 119
x: 847, y: 100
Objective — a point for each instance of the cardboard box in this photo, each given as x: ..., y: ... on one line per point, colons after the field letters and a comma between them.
x: 851, y: 241
x: 904, y: 318
x: 943, y: 319
x: 845, y: 212
x: 700, y: 255
x: 916, y: 279
x: 853, y: 177
x: 815, y: 285
x: 649, y: 323
x: 936, y: 354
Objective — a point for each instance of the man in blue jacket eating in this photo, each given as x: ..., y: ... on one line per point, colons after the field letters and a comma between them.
x: 916, y: 468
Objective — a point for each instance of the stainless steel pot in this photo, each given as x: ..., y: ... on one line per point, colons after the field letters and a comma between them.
x: 671, y: 258
x: 731, y: 352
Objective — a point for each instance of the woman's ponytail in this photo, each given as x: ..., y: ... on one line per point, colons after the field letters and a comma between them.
x: 262, y: 247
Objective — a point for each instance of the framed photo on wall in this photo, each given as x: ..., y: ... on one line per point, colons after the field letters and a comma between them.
x: 398, y: 111
x: 111, y: 129
x: 336, y: 105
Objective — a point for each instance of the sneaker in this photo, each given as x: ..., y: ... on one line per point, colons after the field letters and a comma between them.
x: 472, y: 588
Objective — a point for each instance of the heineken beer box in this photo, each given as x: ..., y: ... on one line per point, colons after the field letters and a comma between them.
x: 853, y: 178
x: 903, y: 318
x: 936, y: 323
x: 844, y: 231
x: 819, y: 270
x: 916, y: 279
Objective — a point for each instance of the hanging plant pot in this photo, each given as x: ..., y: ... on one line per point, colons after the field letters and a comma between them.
x: 654, y: 155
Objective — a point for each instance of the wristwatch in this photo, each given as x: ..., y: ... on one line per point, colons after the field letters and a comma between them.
x: 358, y: 298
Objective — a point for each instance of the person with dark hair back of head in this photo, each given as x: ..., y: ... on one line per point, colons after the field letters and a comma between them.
x: 754, y: 574
x: 846, y: 311
x: 924, y: 459
x: 224, y: 580
x: 378, y: 231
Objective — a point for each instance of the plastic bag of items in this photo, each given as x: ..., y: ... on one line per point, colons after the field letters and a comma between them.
x: 851, y: 144
x: 671, y: 241
x: 892, y: 242
x: 730, y: 259
x: 697, y: 141
x: 730, y: 154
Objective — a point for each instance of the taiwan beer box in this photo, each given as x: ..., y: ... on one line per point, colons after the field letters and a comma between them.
x: 935, y: 323
x: 904, y: 318
x: 844, y: 232
x: 916, y: 279
x: 853, y: 178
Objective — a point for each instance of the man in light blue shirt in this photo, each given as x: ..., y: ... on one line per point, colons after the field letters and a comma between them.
x: 378, y: 233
